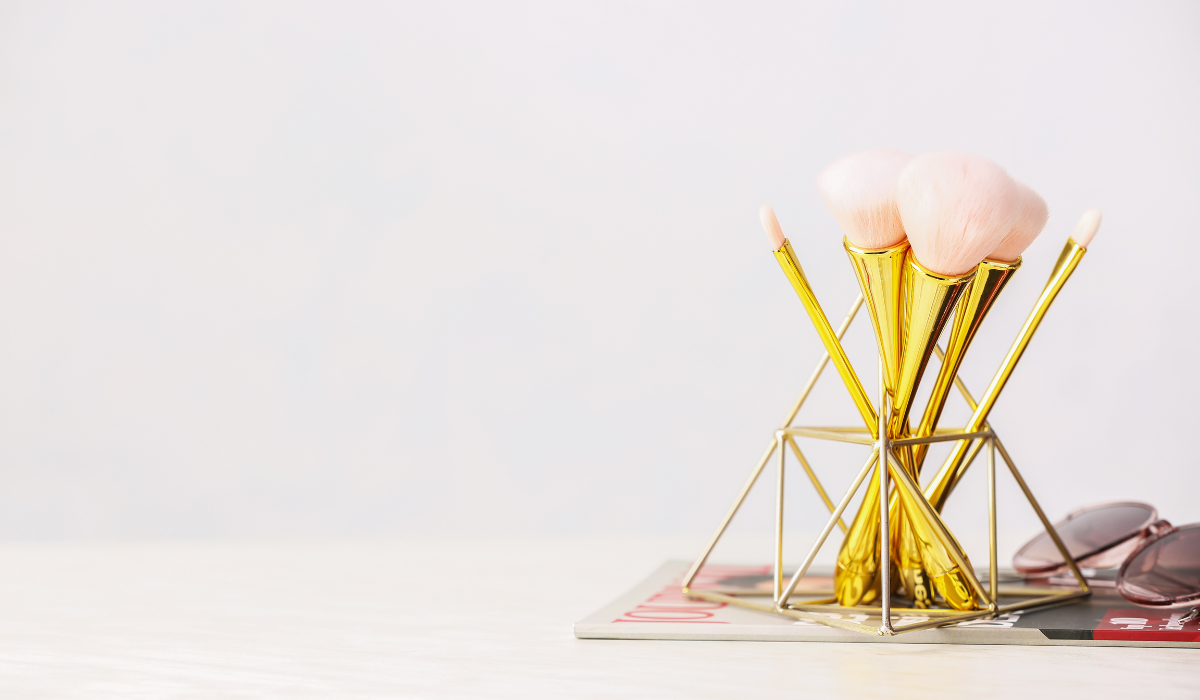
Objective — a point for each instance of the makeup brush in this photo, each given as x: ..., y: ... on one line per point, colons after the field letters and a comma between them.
x: 786, y: 257
x: 991, y: 276
x: 955, y: 465
x: 860, y: 191
x: 956, y: 208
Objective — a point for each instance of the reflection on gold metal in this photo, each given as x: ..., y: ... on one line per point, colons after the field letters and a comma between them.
x: 929, y: 300
x: 990, y: 279
x: 941, y: 555
x: 858, y: 559
x: 885, y: 555
x: 892, y: 447
x: 910, y: 569
x: 834, y: 518
x: 880, y: 273
x: 949, y: 474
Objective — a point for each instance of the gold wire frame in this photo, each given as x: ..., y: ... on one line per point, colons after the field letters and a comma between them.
x: 818, y: 610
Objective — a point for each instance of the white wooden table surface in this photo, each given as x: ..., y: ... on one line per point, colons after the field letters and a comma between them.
x: 454, y: 619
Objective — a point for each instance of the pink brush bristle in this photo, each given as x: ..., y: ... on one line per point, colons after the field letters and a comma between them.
x: 956, y: 208
x: 860, y: 191
x: 1029, y: 225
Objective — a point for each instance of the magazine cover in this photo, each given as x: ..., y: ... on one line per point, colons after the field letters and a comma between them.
x: 656, y: 609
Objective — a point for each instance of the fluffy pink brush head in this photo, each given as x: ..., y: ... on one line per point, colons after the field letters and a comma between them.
x: 771, y: 224
x: 860, y: 191
x: 956, y: 208
x: 1030, y: 222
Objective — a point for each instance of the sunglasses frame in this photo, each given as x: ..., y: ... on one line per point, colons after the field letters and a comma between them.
x: 1092, y: 559
x: 1154, y: 539
x: 1133, y: 544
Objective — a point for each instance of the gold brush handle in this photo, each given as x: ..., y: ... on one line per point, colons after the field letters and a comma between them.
x: 928, y: 301
x: 880, y: 273
x: 990, y: 279
x: 991, y: 276
x: 954, y: 466
x: 857, y: 563
x: 795, y: 274
x: 943, y: 557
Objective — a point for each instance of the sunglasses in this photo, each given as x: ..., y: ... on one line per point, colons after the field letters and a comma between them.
x: 1159, y: 563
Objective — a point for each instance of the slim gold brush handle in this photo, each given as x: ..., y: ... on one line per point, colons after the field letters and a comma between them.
x: 954, y: 466
x: 795, y: 274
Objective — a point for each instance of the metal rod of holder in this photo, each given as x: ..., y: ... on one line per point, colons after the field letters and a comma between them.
x: 1037, y: 508
x: 829, y: 525
x: 812, y: 476
x: 780, y: 437
x: 816, y: 373
x: 993, y: 568
x: 762, y: 462
x: 885, y: 533
x: 906, y: 482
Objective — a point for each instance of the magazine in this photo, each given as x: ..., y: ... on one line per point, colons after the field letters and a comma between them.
x: 656, y: 609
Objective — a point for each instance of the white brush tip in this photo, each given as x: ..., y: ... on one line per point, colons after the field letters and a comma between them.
x: 1086, y: 229
x: 771, y: 225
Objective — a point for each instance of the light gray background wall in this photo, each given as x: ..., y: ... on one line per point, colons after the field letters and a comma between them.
x: 288, y: 269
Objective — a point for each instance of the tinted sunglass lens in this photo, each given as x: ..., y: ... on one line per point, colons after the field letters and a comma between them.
x: 1165, y: 571
x: 1086, y: 533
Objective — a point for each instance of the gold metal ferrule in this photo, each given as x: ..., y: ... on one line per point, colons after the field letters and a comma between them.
x: 929, y: 300
x: 880, y: 273
x: 990, y: 279
x: 954, y: 466
x: 795, y: 274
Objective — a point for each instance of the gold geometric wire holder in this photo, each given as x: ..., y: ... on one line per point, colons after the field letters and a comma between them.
x: 819, y: 610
